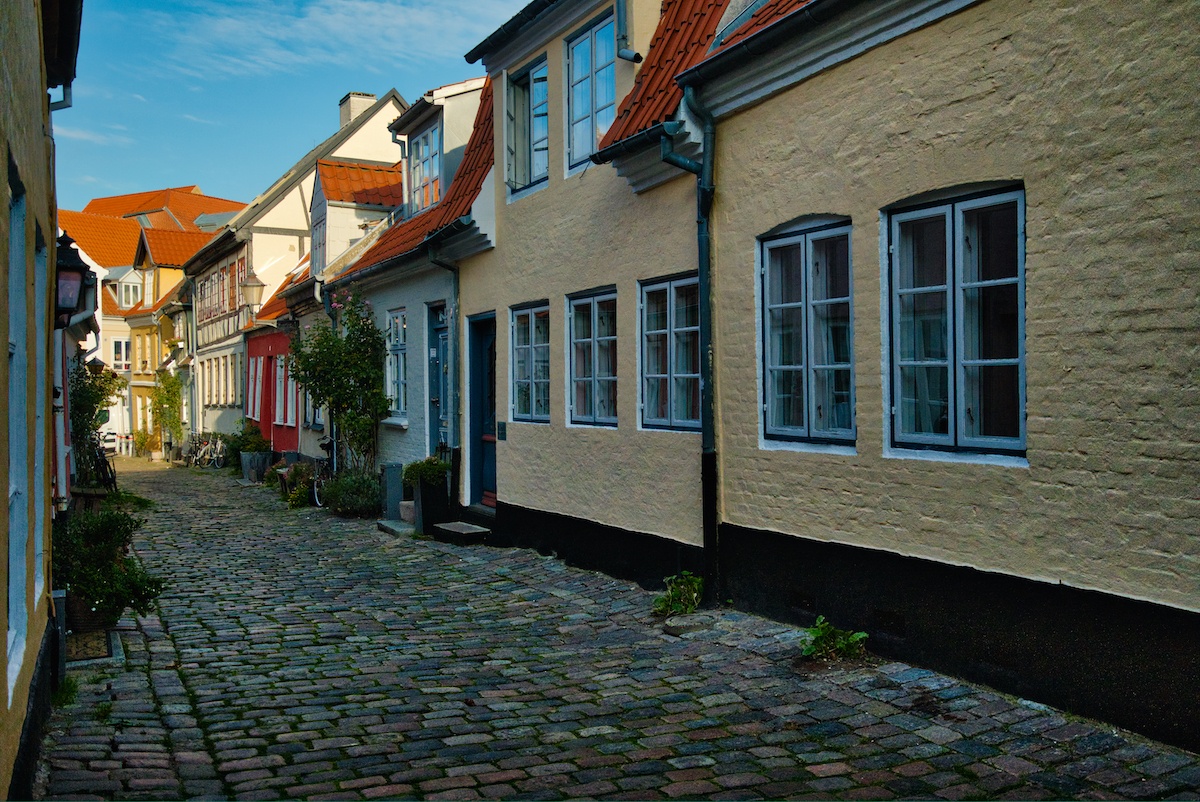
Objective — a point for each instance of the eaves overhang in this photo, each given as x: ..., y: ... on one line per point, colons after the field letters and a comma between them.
x: 61, y: 22
x: 203, y: 258
x: 418, y: 257
x: 510, y: 30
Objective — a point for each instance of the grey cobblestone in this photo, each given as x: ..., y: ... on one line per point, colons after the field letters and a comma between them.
x: 295, y: 655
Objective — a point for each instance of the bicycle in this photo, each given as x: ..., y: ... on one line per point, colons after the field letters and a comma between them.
x: 322, y: 472
x: 212, y: 452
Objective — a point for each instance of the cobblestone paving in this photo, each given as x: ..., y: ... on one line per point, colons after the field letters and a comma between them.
x: 301, y: 656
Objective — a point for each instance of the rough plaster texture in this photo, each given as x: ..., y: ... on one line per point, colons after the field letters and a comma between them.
x: 579, y: 232
x: 1092, y: 107
x: 25, y: 135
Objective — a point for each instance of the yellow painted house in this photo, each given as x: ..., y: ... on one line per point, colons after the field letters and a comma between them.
x: 158, y: 265
x: 38, y: 47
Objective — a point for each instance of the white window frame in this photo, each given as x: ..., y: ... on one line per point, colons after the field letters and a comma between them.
x: 397, y: 362
x: 131, y: 293
x: 956, y: 286
x: 810, y: 431
x: 317, y: 254
x: 598, y: 115
x: 279, y: 390
x: 425, y: 166
x: 671, y: 285
x: 522, y: 110
x: 525, y: 317
x: 258, y: 387
x: 589, y: 374
x: 290, y: 401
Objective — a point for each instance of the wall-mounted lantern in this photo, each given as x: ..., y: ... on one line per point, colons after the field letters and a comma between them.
x: 72, y: 274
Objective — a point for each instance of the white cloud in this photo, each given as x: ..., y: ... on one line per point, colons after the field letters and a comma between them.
x: 195, y: 119
x: 214, y: 37
x: 136, y: 96
x: 95, y: 137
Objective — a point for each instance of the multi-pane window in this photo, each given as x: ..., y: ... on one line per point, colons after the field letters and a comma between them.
x: 671, y: 354
x: 425, y: 167
x: 253, y: 380
x: 279, y: 389
x: 121, y: 354
x: 291, y: 395
x: 397, y: 361
x: 808, y: 383
x: 594, y: 359
x: 531, y: 363
x: 131, y: 293
x: 958, y: 324
x: 528, y: 128
x: 591, y: 88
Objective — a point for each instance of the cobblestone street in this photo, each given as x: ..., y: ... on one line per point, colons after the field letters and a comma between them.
x: 297, y: 655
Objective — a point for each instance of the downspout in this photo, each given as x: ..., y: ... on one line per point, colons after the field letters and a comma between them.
x: 705, y: 189
x: 327, y: 302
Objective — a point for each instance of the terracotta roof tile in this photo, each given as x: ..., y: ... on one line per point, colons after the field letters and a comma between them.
x: 173, y: 248
x: 108, y: 241
x: 684, y: 33
x: 764, y: 17
x: 109, y: 305
x: 464, y: 189
x: 276, y: 306
x: 184, y: 205
x: 366, y: 184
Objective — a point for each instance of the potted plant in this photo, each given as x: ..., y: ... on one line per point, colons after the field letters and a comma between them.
x: 429, y: 480
x: 91, y: 561
x: 255, y: 450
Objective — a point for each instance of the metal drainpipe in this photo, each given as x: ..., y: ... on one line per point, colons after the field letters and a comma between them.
x: 705, y: 189
x: 327, y: 302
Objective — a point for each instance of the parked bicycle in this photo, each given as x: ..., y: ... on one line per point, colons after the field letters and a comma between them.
x: 212, y: 452
x: 322, y: 472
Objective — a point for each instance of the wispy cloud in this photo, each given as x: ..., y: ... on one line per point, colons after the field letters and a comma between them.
x: 194, y: 119
x: 95, y: 137
x: 136, y: 96
x: 214, y: 37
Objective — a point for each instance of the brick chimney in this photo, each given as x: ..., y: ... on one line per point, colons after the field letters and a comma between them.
x: 354, y: 104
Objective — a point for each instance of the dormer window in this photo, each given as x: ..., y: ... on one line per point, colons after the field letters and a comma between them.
x: 130, y: 294
x: 592, y: 96
x: 528, y: 128
x: 425, y: 167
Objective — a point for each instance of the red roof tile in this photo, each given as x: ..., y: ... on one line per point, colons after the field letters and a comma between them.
x: 464, y: 189
x: 109, y: 305
x: 685, y: 30
x: 184, y: 204
x: 173, y: 248
x: 108, y: 241
x: 366, y: 184
x: 764, y: 17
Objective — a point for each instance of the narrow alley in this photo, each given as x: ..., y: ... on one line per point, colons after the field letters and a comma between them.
x: 297, y: 655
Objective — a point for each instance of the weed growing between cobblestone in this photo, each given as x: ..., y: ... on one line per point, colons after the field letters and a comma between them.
x: 124, y: 501
x: 830, y: 643
x: 103, y: 712
x: 682, y: 597
x: 66, y: 692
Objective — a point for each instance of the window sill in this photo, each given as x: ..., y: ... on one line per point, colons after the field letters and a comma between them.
x: 515, y: 195
x: 847, y: 450
x: 396, y: 423
x: 316, y: 427
x: 520, y: 421
x: 960, y: 457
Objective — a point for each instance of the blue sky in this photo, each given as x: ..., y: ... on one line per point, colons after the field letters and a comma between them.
x: 229, y: 95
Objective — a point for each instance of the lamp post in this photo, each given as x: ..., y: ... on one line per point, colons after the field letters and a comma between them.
x: 71, y: 273
x: 252, y: 290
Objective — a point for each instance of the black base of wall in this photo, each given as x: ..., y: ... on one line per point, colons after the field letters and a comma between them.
x: 1131, y: 663
x: 37, y: 714
x: 635, y: 556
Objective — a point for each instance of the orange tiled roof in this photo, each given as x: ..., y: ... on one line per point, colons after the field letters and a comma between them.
x: 276, y: 306
x: 355, y: 182
x: 685, y: 30
x: 184, y: 204
x: 109, y: 305
x: 464, y: 189
x: 173, y: 248
x: 108, y: 241
x: 764, y: 17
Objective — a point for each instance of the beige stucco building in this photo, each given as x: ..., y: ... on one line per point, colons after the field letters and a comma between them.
x: 956, y: 338
x: 579, y: 467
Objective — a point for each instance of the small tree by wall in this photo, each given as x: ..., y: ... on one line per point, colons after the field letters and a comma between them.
x: 341, y: 364
x: 89, y: 394
x: 166, y: 405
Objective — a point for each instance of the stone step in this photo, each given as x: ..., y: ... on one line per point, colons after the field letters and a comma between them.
x: 408, y: 512
x: 460, y: 533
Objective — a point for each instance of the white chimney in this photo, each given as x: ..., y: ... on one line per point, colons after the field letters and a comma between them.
x: 354, y: 104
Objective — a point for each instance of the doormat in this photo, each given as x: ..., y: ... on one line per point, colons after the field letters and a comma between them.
x: 88, y: 646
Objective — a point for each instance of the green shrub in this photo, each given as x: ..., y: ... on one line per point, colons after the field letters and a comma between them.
x: 353, y: 495
x: 248, y: 438
x: 299, y: 479
x: 682, y: 596
x: 271, y: 478
x: 430, y: 470
x: 91, y: 560
x: 828, y: 642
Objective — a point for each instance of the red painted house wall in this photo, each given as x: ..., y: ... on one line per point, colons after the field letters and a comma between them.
x: 271, y: 346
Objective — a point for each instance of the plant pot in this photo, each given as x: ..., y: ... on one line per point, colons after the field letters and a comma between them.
x: 254, y: 465
x: 82, y: 618
x: 431, y: 505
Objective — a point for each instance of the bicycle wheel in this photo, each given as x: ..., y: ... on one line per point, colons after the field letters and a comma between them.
x: 318, y: 492
x: 219, y: 458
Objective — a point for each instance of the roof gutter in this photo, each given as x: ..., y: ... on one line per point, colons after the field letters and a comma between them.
x: 755, y: 46
x: 640, y: 141
x: 509, y: 30
x: 449, y: 230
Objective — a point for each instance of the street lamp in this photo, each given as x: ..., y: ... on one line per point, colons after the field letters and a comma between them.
x: 252, y: 290
x: 71, y: 272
